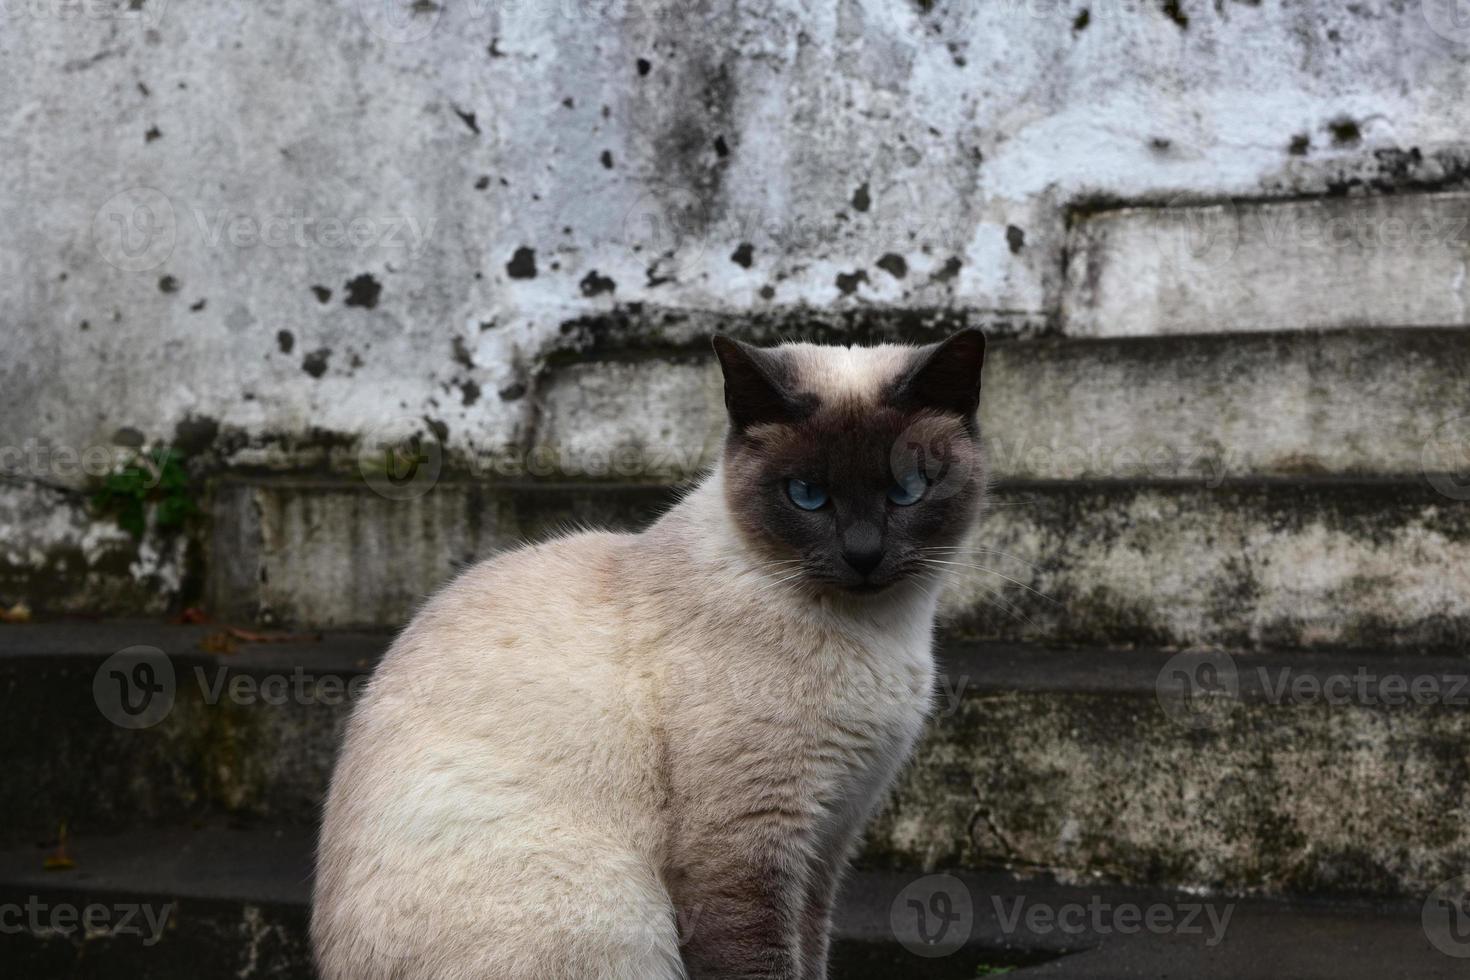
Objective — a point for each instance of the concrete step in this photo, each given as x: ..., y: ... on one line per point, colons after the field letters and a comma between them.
x: 1189, y: 410
x: 1274, y: 265
x: 336, y: 553
x: 218, y: 902
x: 1326, y: 773
x: 1196, y: 409
x: 1248, y: 564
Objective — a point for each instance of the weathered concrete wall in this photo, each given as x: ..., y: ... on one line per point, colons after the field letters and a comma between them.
x: 287, y: 217
x: 1034, y: 760
x: 1227, y: 268
x: 1200, y: 410
x: 330, y: 554
x: 1268, y: 565
x: 1293, y: 796
x: 268, y: 234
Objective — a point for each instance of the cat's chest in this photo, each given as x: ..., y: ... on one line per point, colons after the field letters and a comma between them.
x: 855, y: 708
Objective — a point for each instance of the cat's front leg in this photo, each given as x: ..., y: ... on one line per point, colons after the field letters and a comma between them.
x: 816, y: 924
x: 744, y: 921
x: 816, y: 927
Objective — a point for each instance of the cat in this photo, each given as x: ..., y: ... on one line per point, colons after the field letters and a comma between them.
x: 650, y: 756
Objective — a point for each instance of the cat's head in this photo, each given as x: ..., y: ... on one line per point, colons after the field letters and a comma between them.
x: 855, y: 465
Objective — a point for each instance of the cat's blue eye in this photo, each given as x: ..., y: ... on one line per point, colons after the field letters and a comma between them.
x: 909, y: 488
x: 807, y: 496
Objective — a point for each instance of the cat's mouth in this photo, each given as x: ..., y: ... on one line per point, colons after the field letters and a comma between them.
x: 860, y: 586
x: 868, y: 588
x: 847, y: 582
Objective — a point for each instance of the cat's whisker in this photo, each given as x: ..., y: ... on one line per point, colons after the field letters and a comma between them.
x: 932, y: 594
x: 780, y: 566
x: 958, y: 550
x: 997, y: 599
x: 982, y: 568
x: 770, y: 587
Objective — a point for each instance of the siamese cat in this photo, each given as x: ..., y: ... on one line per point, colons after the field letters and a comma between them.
x: 650, y: 756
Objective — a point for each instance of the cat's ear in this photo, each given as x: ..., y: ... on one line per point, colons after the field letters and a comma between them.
x: 945, y: 376
x: 755, y: 391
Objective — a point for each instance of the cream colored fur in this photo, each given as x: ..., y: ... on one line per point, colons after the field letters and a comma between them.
x: 570, y: 734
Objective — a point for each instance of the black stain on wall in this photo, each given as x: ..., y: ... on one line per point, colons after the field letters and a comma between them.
x: 522, y: 265
x: 315, y: 363
x: 950, y: 269
x: 363, y: 291
x: 468, y: 118
x: 1345, y: 131
x: 595, y: 285
x: 848, y: 282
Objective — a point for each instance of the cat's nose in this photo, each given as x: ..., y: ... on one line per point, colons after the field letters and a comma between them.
x: 863, y: 558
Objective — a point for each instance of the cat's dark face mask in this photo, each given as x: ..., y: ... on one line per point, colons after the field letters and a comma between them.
x: 854, y: 489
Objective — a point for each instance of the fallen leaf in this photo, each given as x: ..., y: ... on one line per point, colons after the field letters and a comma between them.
x: 251, y: 636
x: 59, y: 859
x: 221, y: 642
x: 18, y: 613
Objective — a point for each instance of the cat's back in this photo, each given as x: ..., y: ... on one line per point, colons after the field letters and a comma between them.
x: 502, y: 736
x: 558, y: 597
x: 538, y: 626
